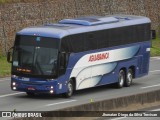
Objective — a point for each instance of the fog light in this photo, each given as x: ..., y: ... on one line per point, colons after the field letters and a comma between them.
x: 14, y: 88
x: 14, y: 83
x: 51, y: 91
x: 51, y: 87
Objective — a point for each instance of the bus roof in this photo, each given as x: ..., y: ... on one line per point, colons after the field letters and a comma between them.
x: 84, y: 24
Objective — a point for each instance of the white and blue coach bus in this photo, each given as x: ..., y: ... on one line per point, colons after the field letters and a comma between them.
x: 80, y: 53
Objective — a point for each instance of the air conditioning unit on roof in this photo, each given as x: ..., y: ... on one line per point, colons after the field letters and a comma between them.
x: 89, y: 21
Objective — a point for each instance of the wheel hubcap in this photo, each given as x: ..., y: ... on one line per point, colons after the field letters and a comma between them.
x: 69, y: 89
x: 121, y: 80
x: 129, y: 77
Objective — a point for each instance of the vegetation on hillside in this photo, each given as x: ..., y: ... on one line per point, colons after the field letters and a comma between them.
x: 16, y: 1
x: 7, y: 1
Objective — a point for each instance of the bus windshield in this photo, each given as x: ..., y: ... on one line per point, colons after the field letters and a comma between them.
x: 35, y: 55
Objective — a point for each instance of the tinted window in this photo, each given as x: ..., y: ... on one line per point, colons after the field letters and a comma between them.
x: 36, y: 41
x: 73, y: 43
x: 106, y: 38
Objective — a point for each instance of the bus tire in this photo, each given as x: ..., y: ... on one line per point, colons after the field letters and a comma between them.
x: 129, y: 78
x: 30, y: 94
x: 70, y: 90
x: 121, y: 79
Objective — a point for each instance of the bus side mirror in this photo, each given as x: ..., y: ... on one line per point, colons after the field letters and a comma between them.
x: 153, y: 34
x: 9, y: 55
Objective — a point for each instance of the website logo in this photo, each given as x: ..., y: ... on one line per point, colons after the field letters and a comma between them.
x: 6, y: 114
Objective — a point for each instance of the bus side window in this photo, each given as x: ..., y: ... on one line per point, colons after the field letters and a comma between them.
x: 62, y: 63
x: 62, y: 60
x: 102, y: 39
x: 90, y: 42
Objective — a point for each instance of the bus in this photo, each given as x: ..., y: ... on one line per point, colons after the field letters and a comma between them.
x: 80, y: 53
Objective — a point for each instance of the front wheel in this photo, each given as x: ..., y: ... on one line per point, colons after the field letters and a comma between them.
x: 121, y: 79
x: 69, y: 92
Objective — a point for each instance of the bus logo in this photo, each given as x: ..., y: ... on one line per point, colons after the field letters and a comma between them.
x: 97, y: 57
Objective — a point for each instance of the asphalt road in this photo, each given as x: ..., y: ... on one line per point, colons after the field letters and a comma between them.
x: 11, y: 100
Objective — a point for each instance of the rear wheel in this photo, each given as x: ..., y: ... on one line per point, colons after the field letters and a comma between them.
x: 121, y: 79
x: 70, y: 86
x: 129, y: 78
x: 30, y: 94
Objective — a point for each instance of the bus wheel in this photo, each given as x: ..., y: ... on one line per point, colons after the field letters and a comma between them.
x: 30, y: 94
x: 69, y: 93
x: 121, y: 79
x: 129, y: 78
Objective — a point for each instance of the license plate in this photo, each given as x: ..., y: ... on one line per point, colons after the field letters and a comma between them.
x: 25, y: 79
x: 31, y: 88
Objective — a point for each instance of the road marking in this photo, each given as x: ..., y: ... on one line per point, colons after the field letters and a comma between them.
x: 150, y: 86
x: 154, y: 58
x: 61, y: 103
x: 11, y: 94
x: 4, y: 80
x: 154, y: 71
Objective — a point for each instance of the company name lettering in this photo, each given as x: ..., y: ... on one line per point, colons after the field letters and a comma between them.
x: 97, y: 57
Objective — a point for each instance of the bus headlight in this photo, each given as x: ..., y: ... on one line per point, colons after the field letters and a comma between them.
x: 13, y: 83
x: 51, y: 91
x: 14, y: 88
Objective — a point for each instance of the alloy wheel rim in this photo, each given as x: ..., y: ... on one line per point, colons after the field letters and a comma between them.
x: 129, y: 77
x: 70, y: 89
x: 121, y: 80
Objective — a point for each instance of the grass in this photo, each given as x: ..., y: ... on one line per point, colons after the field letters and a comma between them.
x: 5, y: 67
x: 155, y: 50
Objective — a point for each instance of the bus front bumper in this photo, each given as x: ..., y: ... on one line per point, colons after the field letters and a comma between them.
x: 34, y: 86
